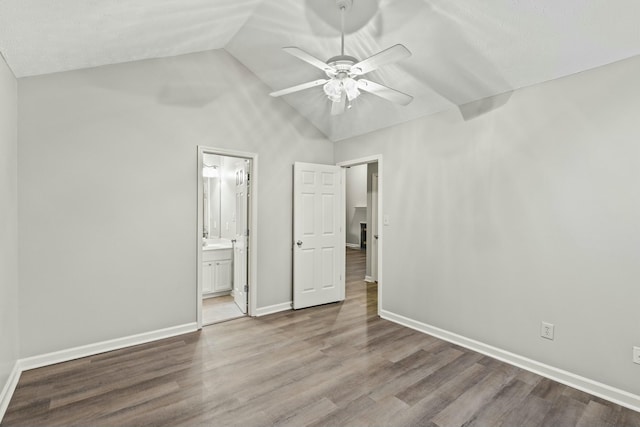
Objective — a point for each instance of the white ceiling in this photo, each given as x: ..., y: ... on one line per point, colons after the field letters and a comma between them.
x: 463, y: 50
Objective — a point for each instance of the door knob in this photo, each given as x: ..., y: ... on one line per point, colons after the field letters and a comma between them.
x: 299, y: 243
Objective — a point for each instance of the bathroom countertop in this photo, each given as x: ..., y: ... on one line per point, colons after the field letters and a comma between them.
x: 217, y: 244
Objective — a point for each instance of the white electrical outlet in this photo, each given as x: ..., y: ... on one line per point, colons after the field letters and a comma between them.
x: 636, y: 355
x: 546, y: 330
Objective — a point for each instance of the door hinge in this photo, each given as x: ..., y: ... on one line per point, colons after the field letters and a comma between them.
x: 246, y: 288
x: 247, y: 233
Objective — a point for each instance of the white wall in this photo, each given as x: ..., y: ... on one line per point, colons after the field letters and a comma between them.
x: 9, y: 344
x: 107, y: 157
x: 356, y: 202
x: 530, y: 212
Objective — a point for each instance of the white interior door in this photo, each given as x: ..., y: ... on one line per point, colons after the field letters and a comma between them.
x: 318, y: 233
x: 373, y: 240
x: 240, y: 284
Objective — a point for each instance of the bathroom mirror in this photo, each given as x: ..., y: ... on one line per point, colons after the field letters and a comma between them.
x: 211, y: 188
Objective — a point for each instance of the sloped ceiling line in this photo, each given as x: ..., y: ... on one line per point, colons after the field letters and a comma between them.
x: 463, y: 50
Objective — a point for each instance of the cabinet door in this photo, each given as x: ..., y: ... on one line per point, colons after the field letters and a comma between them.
x: 222, y: 275
x: 207, y: 277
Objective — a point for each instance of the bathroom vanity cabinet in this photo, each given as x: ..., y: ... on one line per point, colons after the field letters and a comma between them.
x: 217, y: 272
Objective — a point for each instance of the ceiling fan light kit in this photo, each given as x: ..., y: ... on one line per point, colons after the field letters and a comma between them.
x: 344, y: 73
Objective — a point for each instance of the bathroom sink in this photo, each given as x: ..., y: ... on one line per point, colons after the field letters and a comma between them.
x: 217, y: 244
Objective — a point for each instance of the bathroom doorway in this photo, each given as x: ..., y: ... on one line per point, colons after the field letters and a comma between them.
x: 226, y: 192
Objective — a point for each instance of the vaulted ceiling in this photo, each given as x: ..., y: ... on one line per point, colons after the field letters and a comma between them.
x: 463, y: 50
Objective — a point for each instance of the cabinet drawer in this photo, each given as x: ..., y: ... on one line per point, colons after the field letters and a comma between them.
x: 217, y: 255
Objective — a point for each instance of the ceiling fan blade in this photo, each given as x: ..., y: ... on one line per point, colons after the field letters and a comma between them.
x: 302, y: 86
x: 384, y: 92
x: 338, y: 107
x: 306, y: 57
x: 387, y: 56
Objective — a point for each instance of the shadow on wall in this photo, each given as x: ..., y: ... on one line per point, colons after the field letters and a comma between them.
x: 474, y: 109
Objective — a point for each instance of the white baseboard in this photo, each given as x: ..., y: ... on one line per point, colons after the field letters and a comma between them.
x: 276, y: 308
x: 353, y: 245
x: 612, y: 394
x: 9, y: 388
x: 104, y: 346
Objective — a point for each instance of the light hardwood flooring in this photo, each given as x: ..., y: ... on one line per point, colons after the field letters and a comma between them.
x: 333, y: 365
x: 219, y: 309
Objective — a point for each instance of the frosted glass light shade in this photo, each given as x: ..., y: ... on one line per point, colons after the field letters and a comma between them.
x: 334, y: 88
x: 351, y: 88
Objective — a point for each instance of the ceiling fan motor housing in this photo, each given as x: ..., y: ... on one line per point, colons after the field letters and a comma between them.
x: 342, y: 64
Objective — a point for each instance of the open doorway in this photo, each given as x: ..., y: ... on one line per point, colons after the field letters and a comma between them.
x: 362, y: 224
x: 225, y: 256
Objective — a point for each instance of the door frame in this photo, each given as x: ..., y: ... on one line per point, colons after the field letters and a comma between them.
x: 376, y: 158
x: 374, y: 230
x: 252, y: 222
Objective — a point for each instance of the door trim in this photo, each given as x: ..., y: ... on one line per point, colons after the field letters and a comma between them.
x: 252, y: 222
x: 375, y: 231
x: 376, y: 158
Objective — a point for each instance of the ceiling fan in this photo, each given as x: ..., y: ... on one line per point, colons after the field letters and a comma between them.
x: 344, y: 73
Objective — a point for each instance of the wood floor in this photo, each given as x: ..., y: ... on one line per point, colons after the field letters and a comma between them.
x: 334, y: 365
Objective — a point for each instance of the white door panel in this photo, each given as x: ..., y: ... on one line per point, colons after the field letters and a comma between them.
x: 318, y: 254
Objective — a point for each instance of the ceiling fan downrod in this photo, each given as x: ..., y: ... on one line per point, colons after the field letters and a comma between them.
x: 343, y: 5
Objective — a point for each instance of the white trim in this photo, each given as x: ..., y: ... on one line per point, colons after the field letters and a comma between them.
x: 360, y: 161
x: 253, y: 227
x: 369, y: 279
x: 342, y: 259
x: 612, y: 394
x: 352, y: 245
x: 199, y: 228
x: 9, y: 388
x: 104, y: 346
x: 276, y: 308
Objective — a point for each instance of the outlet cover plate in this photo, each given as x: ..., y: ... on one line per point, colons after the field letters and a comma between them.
x: 547, y: 330
x: 636, y: 355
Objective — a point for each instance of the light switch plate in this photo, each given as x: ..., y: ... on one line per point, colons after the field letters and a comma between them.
x: 385, y: 220
x: 636, y: 355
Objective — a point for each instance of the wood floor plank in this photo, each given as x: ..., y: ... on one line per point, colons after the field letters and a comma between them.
x: 564, y: 412
x: 530, y: 413
x: 334, y: 365
x: 472, y: 400
x: 451, y: 371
